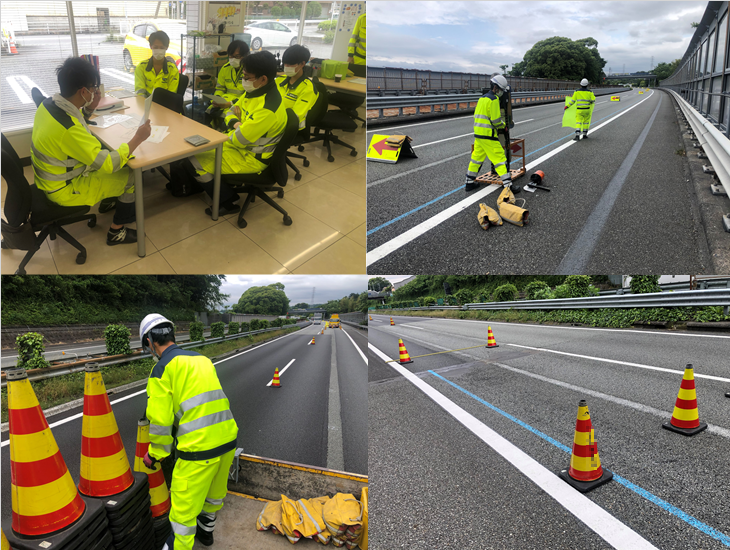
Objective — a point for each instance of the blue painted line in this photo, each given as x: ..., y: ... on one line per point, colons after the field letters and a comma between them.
x: 429, y: 203
x: 694, y: 522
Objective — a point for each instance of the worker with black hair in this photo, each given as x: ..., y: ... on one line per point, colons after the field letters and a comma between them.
x: 297, y: 90
x: 157, y: 71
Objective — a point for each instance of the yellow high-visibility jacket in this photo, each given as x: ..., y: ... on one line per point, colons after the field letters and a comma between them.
x: 145, y: 79
x: 584, y: 97
x: 488, y: 117
x: 183, y: 391
x: 356, y: 47
x: 229, y: 85
x: 263, y: 119
x: 299, y: 96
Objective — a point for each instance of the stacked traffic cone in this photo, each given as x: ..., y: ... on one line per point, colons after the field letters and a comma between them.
x: 404, y: 357
x: 585, y: 472
x: 45, y: 502
x: 392, y: 324
x: 159, y: 495
x: 686, y: 417
x: 491, y: 342
x: 276, y: 382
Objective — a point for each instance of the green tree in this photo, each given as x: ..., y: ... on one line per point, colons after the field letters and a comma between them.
x: 644, y: 284
x: 665, y: 70
x: 503, y: 68
x: 379, y: 283
x: 300, y: 305
x: 314, y: 9
x: 562, y: 58
x: 263, y: 300
x: 275, y: 11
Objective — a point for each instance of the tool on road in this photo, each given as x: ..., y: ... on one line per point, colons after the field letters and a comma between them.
x: 392, y: 324
x: 389, y: 149
x: 277, y: 383
x: 403, y: 353
x: 159, y: 495
x: 491, y: 342
x: 686, y: 417
x: 536, y: 182
x: 488, y: 216
x: 585, y: 472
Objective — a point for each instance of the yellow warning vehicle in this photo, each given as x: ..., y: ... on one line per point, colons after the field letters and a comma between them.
x: 334, y: 321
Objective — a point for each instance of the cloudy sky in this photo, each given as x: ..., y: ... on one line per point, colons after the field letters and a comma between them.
x: 480, y: 36
x: 298, y: 288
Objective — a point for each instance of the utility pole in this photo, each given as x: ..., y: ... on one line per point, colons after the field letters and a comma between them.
x: 652, y: 64
x: 313, y: 289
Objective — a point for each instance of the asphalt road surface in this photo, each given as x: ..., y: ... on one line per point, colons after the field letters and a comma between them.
x: 464, y: 446
x: 292, y: 423
x: 619, y: 199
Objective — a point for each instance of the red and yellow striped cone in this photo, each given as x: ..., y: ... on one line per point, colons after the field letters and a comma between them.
x: 276, y: 383
x: 370, y: 317
x: 585, y: 472
x: 686, y: 417
x: 5, y: 545
x: 404, y: 357
x: 312, y: 342
x: 105, y: 468
x: 392, y: 324
x: 44, y: 497
x: 491, y: 342
x: 159, y: 495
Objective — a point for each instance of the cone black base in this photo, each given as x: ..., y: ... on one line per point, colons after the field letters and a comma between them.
x: 727, y: 394
x: 685, y: 431
x: 494, y: 346
x: 405, y: 362
x: 585, y: 486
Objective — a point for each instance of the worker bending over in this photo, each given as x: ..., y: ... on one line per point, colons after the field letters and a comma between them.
x: 157, y: 71
x: 185, y: 402
x: 69, y: 162
x: 356, y: 51
x: 297, y: 90
x: 255, y: 126
x: 487, y: 122
x: 585, y: 99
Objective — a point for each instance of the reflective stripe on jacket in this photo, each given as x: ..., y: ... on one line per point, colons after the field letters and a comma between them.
x: 229, y: 85
x: 584, y: 97
x: 488, y: 117
x: 263, y: 119
x: 183, y: 390
x: 62, y: 149
x: 145, y: 79
x: 356, y: 48
x: 300, y: 96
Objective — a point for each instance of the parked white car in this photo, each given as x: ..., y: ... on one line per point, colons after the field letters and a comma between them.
x: 270, y: 34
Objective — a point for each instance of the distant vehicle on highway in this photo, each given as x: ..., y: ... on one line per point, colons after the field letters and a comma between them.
x: 334, y: 321
x: 137, y: 45
x: 317, y: 318
x: 271, y: 34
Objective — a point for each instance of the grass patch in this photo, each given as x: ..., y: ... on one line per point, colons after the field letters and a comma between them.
x: 62, y: 389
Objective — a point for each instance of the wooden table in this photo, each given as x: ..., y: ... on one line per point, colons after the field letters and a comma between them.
x: 172, y: 148
x: 345, y: 86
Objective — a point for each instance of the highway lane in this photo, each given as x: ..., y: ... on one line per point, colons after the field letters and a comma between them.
x: 290, y: 423
x: 451, y: 489
x: 404, y: 199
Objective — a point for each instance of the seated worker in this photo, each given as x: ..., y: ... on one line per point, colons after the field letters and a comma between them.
x: 157, y: 71
x: 255, y: 125
x: 69, y: 163
x: 297, y: 91
x: 229, y: 82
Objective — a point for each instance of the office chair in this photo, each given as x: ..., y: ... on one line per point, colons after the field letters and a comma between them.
x: 169, y: 100
x: 26, y: 203
x: 322, y: 119
x: 349, y: 102
x: 257, y: 185
x: 182, y: 84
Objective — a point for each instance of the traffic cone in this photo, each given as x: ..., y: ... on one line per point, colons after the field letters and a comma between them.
x: 371, y: 317
x: 585, y: 472
x: 312, y: 342
x: 44, y: 497
x: 276, y: 383
x: 686, y: 418
x: 392, y: 324
x: 491, y: 342
x: 159, y: 495
x: 105, y: 468
x: 404, y: 357
x: 13, y: 49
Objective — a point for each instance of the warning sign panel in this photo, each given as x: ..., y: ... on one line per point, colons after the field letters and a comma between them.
x: 380, y: 150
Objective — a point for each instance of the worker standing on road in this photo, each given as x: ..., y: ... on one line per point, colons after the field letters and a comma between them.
x: 585, y: 100
x: 185, y: 402
x: 488, y: 121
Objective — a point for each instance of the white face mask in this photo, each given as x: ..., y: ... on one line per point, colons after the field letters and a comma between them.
x: 290, y: 71
x: 158, y: 54
x: 248, y: 86
x: 90, y: 100
x: 235, y: 63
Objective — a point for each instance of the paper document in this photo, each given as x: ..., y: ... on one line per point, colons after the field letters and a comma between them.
x: 110, y: 120
x: 147, y: 107
x: 132, y: 121
x: 357, y: 80
x: 158, y: 134
x: 215, y: 98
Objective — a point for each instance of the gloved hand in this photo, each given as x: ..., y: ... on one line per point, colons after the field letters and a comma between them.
x: 149, y: 461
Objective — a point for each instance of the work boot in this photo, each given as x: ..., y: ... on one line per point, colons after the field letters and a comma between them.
x: 577, y: 137
x: 107, y: 205
x: 585, y: 135
x: 205, y: 527
x: 470, y: 185
x: 224, y: 209
x: 123, y: 235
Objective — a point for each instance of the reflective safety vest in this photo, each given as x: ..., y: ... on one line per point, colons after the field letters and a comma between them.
x: 299, y: 96
x: 584, y: 97
x: 356, y: 47
x: 229, y: 85
x: 146, y: 80
x: 263, y: 119
x: 62, y: 150
x: 184, y: 393
x: 488, y: 117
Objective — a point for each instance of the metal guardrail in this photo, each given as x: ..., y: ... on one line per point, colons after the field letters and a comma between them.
x: 702, y: 285
x: 440, y: 103
x: 44, y: 374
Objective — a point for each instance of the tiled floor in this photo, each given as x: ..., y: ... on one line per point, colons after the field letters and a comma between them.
x: 327, y: 235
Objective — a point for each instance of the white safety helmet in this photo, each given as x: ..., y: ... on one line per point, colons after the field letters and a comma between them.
x: 584, y: 82
x: 148, y: 324
x: 501, y: 82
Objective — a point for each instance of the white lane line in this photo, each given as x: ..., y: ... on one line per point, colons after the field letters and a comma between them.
x: 357, y: 348
x: 411, y: 326
x: 335, y: 445
x: 413, y: 233
x: 114, y: 73
x: 457, y: 137
x: 609, y: 528
x: 22, y: 96
x: 626, y: 363
x: 31, y: 84
x: 282, y: 371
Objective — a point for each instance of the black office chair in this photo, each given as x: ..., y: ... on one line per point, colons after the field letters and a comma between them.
x: 257, y: 185
x: 37, y: 96
x: 26, y: 203
x: 300, y: 139
x: 169, y: 100
x: 349, y: 103
x: 322, y: 119
x: 182, y: 84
